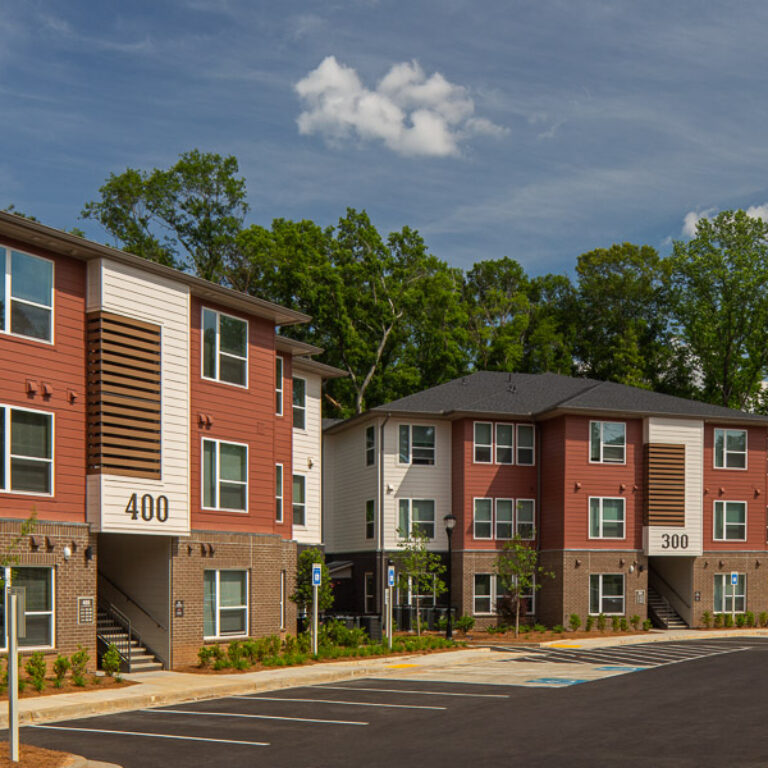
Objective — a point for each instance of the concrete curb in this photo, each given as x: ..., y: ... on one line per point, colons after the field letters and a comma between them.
x: 82, y: 762
x: 655, y: 636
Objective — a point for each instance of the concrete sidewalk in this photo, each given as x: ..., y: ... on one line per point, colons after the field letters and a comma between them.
x: 162, y: 688
x: 655, y: 636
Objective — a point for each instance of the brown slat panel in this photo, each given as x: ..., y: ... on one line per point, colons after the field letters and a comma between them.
x: 140, y: 473
x: 146, y: 402
x: 106, y: 431
x: 128, y: 342
x: 131, y: 331
x: 103, y: 420
x: 116, y: 453
x: 143, y: 324
x: 108, y: 348
x: 112, y: 367
x: 665, y: 485
x: 108, y: 381
x: 98, y: 358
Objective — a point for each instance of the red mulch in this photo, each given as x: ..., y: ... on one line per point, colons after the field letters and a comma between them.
x: 34, y: 757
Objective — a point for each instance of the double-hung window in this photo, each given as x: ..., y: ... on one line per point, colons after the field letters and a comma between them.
x: 730, y: 598
x: 299, y: 500
x: 417, y: 516
x: 526, y: 519
x: 483, y: 519
x: 26, y: 302
x: 278, y: 386
x: 607, y: 442
x: 730, y: 521
x: 225, y: 603
x: 730, y: 448
x: 606, y: 518
x: 483, y: 448
x: 27, y: 441
x: 505, y: 518
x: 370, y: 518
x: 225, y: 348
x: 525, y: 445
x: 39, y: 608
x: 299, y: 403
x: 483, y: 600
x: 606, y: 593
x: 279, y: 493
x: 225, y: 476
x: 416, y: 444
x: 505, y: 444
x: 370, y: 446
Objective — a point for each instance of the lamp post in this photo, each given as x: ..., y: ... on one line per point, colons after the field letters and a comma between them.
x: 450, y: 523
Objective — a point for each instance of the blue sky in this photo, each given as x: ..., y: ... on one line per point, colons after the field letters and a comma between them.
x: 536, y: 130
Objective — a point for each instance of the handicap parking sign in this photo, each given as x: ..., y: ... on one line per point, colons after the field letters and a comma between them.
x: 734, y: 579
x: 317, y: 574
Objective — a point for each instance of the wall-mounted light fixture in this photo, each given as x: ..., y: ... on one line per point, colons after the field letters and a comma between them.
x: 89, y: 553
x: 67, y: 552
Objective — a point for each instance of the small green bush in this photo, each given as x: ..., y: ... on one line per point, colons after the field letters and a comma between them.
x: 574, y: 622
x: 236, y: 655
x: 624, y: 624
x: 718, y: 620
x: 601, y: 622
x: 465, y: 623
x: 442, y: 624
x: 615, y: 623
x: 589, y: 623
x: 558, y: 628
x: 60, y: 668
x: 728, y: 620
x: 35, y: 667
x: 110, y: 661
x: 741, y: 620
x: 706, y: 619
x: 763, y: 618
x: 749, y: 618
x: 539, y: 628
x: 635, y: 622
x: 647, y: 624
x: 524, y: 629
x: 79, y: 661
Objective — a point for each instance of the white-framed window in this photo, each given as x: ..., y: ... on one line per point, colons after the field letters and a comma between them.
x: 505, y: 518
x: 370, y: 518
x: 278, y: 385
x: 607, y: 442
x: 606, y: 593
x: 416, y: 444
x: 225, y: 603
x: 526, y: 444
x: 606, y: 518
x: 730, y: 598
x: 299, y: 500
x: 730, y: 521
x: 427, y: 597
x: 27, y: 445
x: 483, y: 442
x: 40, y: 610
x: 483, y: 519
x: 505, y: 443
x: 370, y: 593
x: 488, y: 591
x: 225, y: 476
x: 730, y: 449
x: 417, y: 515
x: 283, y: 587
x: 525, y: 518
x: 370, y: 446
x: 279, y: 493
x: 225, y: 348
x: 26, y: 305
x: 299, y: 403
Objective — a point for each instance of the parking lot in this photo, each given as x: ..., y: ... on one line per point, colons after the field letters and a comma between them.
x: 706, y: 711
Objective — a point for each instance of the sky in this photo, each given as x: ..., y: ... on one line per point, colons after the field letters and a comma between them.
x: 536, y: 130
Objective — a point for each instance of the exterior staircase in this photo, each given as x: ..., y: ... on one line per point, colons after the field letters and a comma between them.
x: 135, y: 657
x: 662, y: 613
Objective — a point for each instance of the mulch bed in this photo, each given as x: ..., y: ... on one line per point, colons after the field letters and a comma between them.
x: 104, y: 683
x: 34, y: 757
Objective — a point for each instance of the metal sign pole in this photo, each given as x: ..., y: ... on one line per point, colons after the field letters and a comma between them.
x: 13, y: 678
x: 390, y: 606
x: 317, y: 579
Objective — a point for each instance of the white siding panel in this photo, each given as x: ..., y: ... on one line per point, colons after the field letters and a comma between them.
x: 307, y: 450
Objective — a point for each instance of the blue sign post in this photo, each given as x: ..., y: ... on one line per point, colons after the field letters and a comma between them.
x: 317, y: 574
x: 317, y: 580
x: 734, y: 579
x: 391, y: 576
x: 390, y: 603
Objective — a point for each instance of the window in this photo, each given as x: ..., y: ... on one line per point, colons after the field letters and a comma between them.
x: 730, y: 598
x: 299, y: 403
x: 505, y: 518
x: 370, y: 593
x: 606, y: 593
x: 370, y: 518
x: 483, y: 523
x: 731, y: 448
x: 279, y: 386
x: 730, y: 521
x: 526, y: 519
x: 27, y: 442
x: 417, y: 444
x: 225, y: 348
x: 483, y: 598
x: 370, y: 446
x: 39, y: 612
x: 282, y: 599
x: 525, y: 445
x: 225, y: 476
x: 299, y: 500
x: 483, y: 442
x: 607, y: 442
x: 26, y: 303
x: 225, y: 603
x: 606, y: 518
x: 417, y: 516
x: 279, y: 493
x: 505, y: 440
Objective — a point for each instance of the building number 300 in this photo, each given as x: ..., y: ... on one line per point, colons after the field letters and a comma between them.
x: 149, y: 507
x: 675, y: 541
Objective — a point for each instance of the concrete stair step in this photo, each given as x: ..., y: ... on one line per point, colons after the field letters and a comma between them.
x: 146, y: 666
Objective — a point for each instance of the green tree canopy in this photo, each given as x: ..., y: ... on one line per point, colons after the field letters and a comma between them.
x: 302, y: 594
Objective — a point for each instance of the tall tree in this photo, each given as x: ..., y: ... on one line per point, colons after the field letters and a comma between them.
x: 187, y: 216
x: 720, y: 301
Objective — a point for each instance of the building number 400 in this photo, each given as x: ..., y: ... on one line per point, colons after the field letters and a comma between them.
x: 148, y: 507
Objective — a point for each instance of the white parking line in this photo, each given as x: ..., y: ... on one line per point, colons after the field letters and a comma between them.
x: 149, y: 735
x: 254, y: 717
x: 423, y: 693
x: 257, y: 697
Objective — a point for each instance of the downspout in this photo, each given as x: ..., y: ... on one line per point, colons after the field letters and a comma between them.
x: 380, y: 536
x: 539, y: 511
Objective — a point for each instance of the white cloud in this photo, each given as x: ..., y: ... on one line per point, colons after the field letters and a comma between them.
x: 692, y: 218
x: 411, y: 113
x: 758, y: 212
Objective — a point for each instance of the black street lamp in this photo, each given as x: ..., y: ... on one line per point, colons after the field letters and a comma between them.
x: 450, y: 522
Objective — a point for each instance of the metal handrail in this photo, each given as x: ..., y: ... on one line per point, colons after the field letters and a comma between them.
x: 125, y: 623
x: 131, y: 600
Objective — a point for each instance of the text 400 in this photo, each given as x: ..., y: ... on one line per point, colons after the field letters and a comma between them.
x: 148, y: 507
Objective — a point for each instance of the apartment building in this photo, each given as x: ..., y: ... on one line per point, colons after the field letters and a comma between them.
x: 631, y: 496
x: 168, y: 441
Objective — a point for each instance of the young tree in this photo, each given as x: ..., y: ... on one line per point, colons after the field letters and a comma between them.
x: 302, y: 594
x: 418, y: 568
x: 519, y: 573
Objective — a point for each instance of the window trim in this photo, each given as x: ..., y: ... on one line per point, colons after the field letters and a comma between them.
x: 726, y: 451
x: 283, y: 595
x: 490, y: 523
x: 218, y: 443
x: 724, y: 502
x: 295, y: 407
x: 475, y: 612
x: 410, y: 427
x: 513, y: 447
x: 495, y: 596
x: 475, y: 444
x: 410, y: 501
x: 602, y: 460
x: 280, y: 496
x: 293, y: 500
x: 513, y: 522
x: 219, y: 314
x: 217, y: 612
x: 372, y: 521
x: 6, y: 572
x: 368, y: 575
x: 726, y: 578
x: 280, y: 385
x: 517, y: 445
x: 370, y: 450
x: 7, y: 457
x: 601, y: 595
x: 601, y: 499
x: 517, y: 520
x: 8, y: 287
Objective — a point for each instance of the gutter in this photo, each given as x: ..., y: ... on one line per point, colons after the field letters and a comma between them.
x: 380, y: 510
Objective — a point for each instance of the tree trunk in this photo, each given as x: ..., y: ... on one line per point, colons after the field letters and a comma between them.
x: 418, y: 617
x: 517, y: 616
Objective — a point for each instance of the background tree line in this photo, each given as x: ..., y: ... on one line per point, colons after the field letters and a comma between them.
x: 398, y: 319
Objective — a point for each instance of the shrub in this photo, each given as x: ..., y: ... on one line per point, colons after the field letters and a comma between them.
x: 706, y: 619
x: 79, y: 661
x: 335, y: 632
x: 590, y: 623
x: 615, y: 623
x: 35, y: 667
x: 465, y: 623
x: 574, y: 622
x: 539, y: 628
x: 524, y: 628
x: 110, y: 662
x: 750, y: 618
x: 60, y: 669
x: 304, y: 643
x: 559, y: 628
x: 635, y: 622
x: 741, y: 620
x: 717, y: 621
x: 728, y: 620
x: 647, y: 624
x: 442, y: 623
x: 601, y: 622
x: 763, y: 618
x: 236, y: 655
x: 624, y: 624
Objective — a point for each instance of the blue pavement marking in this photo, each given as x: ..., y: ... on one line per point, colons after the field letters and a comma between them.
x: 556, y: 681
x: 621, y: 669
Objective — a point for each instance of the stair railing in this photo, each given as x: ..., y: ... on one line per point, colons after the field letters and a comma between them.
x: 124, y: 645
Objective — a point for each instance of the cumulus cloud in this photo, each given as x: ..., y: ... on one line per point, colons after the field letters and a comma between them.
x: 411, y: 113
x: 692, y: 218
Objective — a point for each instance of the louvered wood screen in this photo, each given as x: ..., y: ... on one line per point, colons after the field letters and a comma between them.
x: 124, y: 405
x: 665, y: 484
